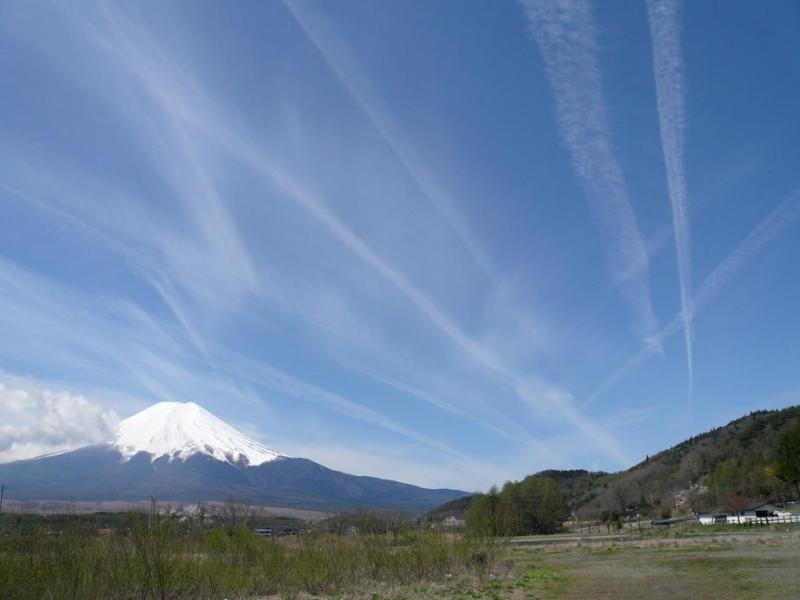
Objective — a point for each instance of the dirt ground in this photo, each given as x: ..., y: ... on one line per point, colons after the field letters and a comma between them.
x: 729, y: 565
x: 752, y: 564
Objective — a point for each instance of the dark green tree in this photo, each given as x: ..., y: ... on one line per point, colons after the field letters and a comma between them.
x: 483, y: 515
x: 534, y: 505
x: 543, y: 507
x: 787, y: 461
x: 510, y: 509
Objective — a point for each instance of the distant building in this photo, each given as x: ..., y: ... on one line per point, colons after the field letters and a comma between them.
x: 763, y: 511
x: 713, y: 518
x: 453, y: 522
x: 792, y: 508
x: 766, y: 512
x: 631, y: 511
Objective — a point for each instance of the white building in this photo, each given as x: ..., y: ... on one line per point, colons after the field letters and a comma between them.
x: 763, y: 513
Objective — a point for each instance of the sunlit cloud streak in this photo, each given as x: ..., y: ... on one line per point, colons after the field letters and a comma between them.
x: 140, y: 261
x: 664, y: 17
x: 278, y: 380
x: 565, y: 33
x: 156, y: 359
x: 217, y: 267
x: 444, y: 405
x: 542, y: 397
x: 267, y: 375
x: 664, y: 236
x: 179, y: 126
x: 337, y: 54
x: 152, y: 275
x: 766, y: 231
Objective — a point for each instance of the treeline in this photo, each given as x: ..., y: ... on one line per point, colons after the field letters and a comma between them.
x: 733, y: 483
x: 534, y: 505
x: 758, y: 474
x: 752, y: 460
x: 201, y: 516
x: 736, y: 465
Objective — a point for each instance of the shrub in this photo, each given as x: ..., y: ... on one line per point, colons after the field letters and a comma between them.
x: 156, y: 557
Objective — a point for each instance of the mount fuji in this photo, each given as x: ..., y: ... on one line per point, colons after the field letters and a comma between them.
x: 177, y: 451
x: 180, y: 430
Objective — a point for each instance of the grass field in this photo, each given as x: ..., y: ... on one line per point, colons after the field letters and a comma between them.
x: 158, y: 555
x: 759, y: 564
x: 155, y: 557
x: 701, y: 564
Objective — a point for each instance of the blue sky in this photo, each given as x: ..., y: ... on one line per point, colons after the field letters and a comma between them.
x: 450, y: 243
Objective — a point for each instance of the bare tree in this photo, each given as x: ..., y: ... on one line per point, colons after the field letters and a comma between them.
x: 620, y: 497
x: 234, y: 514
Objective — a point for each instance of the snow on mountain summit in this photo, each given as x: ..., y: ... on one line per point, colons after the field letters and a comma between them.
x: 182, y: 429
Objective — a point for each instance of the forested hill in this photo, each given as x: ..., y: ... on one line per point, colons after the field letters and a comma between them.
x: 729, y: 466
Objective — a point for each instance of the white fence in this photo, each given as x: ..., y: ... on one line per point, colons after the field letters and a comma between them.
x: 748, y: 520
x: 634, y: 527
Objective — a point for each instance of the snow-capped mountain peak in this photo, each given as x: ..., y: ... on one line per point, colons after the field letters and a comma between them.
x: 179, y: 430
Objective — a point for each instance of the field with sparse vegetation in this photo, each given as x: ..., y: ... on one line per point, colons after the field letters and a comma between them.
x: 155, y: 555
x: 759, y: 563
x: 158, y: 554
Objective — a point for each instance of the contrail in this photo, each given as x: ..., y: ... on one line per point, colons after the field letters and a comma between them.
x: 565, y: 33
x: 176, y: 99
x: 338, y: 56
x: 765, y: 232
x: 553, y: 399
x: 668, y: 67
x: 541, y: 397
x: 139, y: 261
x: 755, y: 241
x: 441, y: 404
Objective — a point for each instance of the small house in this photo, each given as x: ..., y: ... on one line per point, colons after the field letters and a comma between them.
x: 263, y: 531
x: 764, y: 511
x: 453, y: 522
x: 761, y: 512
x: 715, y: 518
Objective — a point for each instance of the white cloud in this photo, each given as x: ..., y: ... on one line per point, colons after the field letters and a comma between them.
x: 37, y: 421
x: 339, y: 57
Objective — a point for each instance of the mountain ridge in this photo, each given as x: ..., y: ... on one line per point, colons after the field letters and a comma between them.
x: 724, y: 466
x: 181, y: 452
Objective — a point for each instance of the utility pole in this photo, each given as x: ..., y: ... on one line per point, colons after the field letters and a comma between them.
x: 2, y: 493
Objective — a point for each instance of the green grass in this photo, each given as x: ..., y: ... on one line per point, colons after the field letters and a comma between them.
x: 537, y: 577
x: 690, y: 549
x: 609, y: 551
x: 156, y: 557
